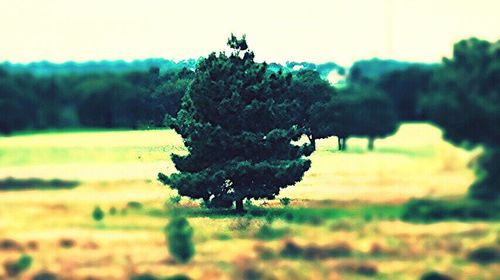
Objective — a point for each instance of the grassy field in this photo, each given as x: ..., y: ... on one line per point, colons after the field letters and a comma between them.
x: 348, y: 200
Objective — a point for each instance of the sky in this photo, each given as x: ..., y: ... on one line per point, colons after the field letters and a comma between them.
x: 341, y: 31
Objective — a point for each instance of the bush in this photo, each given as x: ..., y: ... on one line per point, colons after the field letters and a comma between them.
x: 179, y: 237
x: 285, y: 201
x: 267, y: 232
x: 485, y: 255
x: 427, y: 210
x: 112, y: 211
x: 13, y: 269
x: 45, y: 275
x: 433, y: 275
x: 97, y: 214
x: 134, y: 205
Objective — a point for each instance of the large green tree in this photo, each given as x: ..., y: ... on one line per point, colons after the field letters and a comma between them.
x: 465, y: 102
x: 238, y: 125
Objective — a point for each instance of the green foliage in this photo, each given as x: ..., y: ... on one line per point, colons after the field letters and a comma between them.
x: 426, y: 210
x: 134, y: 205
x: 465, y: 100
x: 237, y: 123
x: 97, y: 214
x: 179, y: 238
x: 405, y: 87
x: 123, y: 99
x: 10, y: 183
x: 45, y: 275
x: 268, y: 232
x: 434, y: 275
x: 485, y: 255
x: 285, y: 201
x: 176, y: 199
x: 355, y: 111
x: 112, y: 211
x: 13, y: 269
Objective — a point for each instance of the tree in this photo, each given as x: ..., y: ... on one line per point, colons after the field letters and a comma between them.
x: 180, y: 239
x: 238, y: 125
x: 374, y: 115
x: 311, y: 91
x: 404, y: 87
x: 465, y: 101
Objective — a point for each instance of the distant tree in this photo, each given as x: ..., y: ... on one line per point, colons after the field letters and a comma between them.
x: 179, y: 236
x: 238, y: 124
x: 111, y: 102
x: 374, y: 115
x: 97, y: 214
x: 166, y: 97
x: 465, y: 101
x: 17, y: 102
x: 404, y: 87
x: 309, y: 89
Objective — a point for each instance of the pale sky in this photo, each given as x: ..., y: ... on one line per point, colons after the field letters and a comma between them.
x: 342, y: 31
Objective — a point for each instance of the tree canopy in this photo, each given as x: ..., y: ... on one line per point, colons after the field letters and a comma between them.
x: 236, y: 120
x: 465, y: 101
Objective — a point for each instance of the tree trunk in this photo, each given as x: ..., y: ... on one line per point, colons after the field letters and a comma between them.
x: 339, y: 141
x: 371, y: 143
x: 344, y: 144
x: 239, y: 206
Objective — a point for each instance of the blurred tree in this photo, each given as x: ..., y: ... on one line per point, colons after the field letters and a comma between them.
x: 405, y: 87
x: 374, y: 115
x: 465, y: 101
x: 311, y: 91
x: 237, y: 121
x: 17, y: 102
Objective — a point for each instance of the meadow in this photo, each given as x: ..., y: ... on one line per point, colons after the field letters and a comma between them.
x: 343, y: 220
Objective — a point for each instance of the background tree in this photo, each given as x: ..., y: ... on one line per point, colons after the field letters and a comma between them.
x: 374, y: 115
x: 404, y: 87
x: 237, y: 123
x: 465, y: 101
x: 311, y: 91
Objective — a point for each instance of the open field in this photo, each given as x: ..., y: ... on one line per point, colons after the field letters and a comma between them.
x: 348, y: 201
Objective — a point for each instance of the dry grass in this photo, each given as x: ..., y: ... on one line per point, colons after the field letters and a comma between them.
x: 414, y: 163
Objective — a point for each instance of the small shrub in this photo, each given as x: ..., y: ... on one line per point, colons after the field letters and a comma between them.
x: 179, y: 237
x: 13, y: 269
x: 178, y: 277
x: 285, y: 201
x: 427, y: 210
x: 485, y: 255
x: 267, y: 232
x: 97, y: 214
x: 112, y: 211
x: 44, y: 275
x: 223, y: 236
x: 9, y: 244
x: 433, y: 275
x: 291, y: 250
x: 32, y: 245
x: 176, y: 199
x: 134, y: 205
x: 366, y: 269
x: 67, y: 243
x: 145, y: 276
